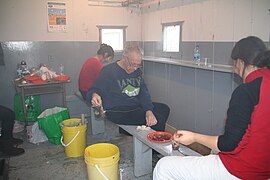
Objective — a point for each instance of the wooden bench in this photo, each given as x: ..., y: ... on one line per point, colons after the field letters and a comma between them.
x: 142, y: 149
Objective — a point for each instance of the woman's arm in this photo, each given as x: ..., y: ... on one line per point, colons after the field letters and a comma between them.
x: 188, y: 137
x: 241, y: 106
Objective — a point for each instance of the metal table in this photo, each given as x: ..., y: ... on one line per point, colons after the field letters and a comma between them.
x: 50, y: 87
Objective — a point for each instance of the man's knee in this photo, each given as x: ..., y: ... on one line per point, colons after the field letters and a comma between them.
x: 162, y: 108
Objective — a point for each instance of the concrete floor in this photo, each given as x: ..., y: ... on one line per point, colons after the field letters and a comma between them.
x: 47, y: 161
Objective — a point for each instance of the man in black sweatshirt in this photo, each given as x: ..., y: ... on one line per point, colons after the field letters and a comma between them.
x: 121, y: 92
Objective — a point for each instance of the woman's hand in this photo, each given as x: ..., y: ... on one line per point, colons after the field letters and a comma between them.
x: 150, y: 118
x: 184, y: 137
x: 188, y: 137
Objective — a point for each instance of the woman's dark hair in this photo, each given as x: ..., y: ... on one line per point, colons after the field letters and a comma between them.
x: 106, y: 51
x: 252, y: 51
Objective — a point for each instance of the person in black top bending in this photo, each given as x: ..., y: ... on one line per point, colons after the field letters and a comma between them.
x: 7, y: 141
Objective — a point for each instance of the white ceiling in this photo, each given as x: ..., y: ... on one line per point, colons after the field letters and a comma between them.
x: 118, y: 3
x: 143, y: 6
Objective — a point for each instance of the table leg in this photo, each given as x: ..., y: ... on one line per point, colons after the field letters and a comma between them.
x: 64, y: 95
x: 24, y: 108
x: 142, y: 158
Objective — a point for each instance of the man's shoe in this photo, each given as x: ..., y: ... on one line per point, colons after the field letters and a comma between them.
x: 9, y: 150
x: 16, y: 141
x: 15, y: 151
x: 12, y: 140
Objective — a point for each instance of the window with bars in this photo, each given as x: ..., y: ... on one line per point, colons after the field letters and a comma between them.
x: 172, y: 36
x: 114, y: 36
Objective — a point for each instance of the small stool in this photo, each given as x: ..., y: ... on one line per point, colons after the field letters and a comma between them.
x: 97, y: 124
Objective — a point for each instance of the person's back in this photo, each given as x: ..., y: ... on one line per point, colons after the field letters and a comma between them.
x: 92, y: 67
x: 251, y: 159
x: 89, y: 73
x: 253, y: 152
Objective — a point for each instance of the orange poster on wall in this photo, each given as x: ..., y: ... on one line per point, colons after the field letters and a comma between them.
x: 57, y: 17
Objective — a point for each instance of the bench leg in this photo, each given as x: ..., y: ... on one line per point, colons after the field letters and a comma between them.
x: 97, y: 125
x: 142, y: 158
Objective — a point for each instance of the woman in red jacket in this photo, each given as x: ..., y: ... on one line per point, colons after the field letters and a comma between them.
x: 92, y: 67
x: 243, y: 148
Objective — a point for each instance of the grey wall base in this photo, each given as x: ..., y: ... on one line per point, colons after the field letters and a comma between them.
x: 77, y: 107
x: 198, y: 98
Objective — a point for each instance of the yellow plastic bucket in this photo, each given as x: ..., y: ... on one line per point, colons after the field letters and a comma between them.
x: 73, y: 138
x: 102, y: 161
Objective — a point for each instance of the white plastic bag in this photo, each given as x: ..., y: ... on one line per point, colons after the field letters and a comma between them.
x: 35, y: 135
x: 18, y: 127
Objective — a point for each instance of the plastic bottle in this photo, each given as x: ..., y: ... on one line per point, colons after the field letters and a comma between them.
x: 197, y: 55
x: 61, y: 69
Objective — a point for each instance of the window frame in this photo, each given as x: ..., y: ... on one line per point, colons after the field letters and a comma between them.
x: 101, y: 27
x: 176, y: 23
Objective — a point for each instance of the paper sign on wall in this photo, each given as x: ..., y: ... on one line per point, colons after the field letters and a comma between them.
x: 57, y: 17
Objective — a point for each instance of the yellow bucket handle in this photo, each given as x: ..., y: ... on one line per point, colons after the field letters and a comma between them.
x: 96, y: 166
x: 121, y: 171
x: 65, y: 145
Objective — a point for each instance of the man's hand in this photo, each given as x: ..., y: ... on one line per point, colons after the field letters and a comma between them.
x: 96, y: 100
x: 150, y: 118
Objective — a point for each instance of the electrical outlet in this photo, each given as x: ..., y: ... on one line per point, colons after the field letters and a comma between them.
x: 50, y: 58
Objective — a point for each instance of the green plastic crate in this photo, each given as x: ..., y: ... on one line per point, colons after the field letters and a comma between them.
x: 32, y: 104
